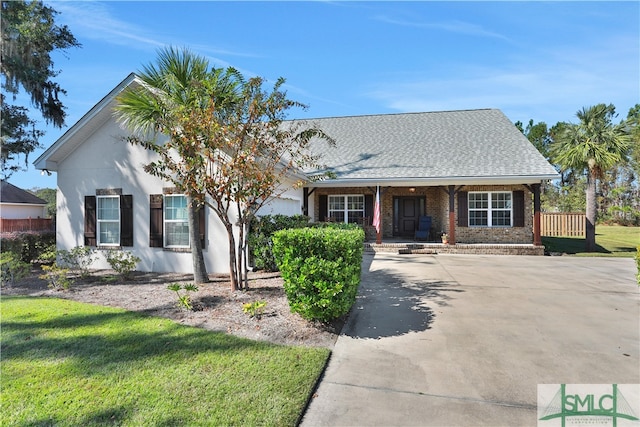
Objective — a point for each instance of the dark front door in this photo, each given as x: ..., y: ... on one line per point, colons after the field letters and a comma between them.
x: 406, y: 212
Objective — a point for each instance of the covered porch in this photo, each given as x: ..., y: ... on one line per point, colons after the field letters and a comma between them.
x: 447, y: 206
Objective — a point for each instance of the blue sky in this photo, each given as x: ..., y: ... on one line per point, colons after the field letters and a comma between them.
x: 533, y: 60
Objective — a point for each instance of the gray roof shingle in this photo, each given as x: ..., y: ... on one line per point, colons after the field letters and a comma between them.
x: 9, y: 193
x: 434, y: 145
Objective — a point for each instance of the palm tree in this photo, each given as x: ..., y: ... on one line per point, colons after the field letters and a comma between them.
x: 594, y: 145
x: 180, y: 84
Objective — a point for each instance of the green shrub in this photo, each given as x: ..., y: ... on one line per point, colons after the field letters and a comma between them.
x: 56, y: 276
x: 321, y: 269
x: 638, y: 264
x: 184, y: 298
x: 78, y: 259
x: 12, y: 268
x: 122, y: 262
x: 261, y: 231
x: 28, y: 245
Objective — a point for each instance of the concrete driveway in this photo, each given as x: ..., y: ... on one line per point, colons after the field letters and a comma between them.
x: 464, y: 340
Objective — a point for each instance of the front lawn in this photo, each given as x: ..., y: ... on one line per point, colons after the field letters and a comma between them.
x: 611, y: 240
x: 67, y: 363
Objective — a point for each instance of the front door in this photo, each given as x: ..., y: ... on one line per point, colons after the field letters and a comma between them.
x: 406, y: 212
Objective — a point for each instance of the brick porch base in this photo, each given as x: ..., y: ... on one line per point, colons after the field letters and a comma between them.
x: 459, y: 248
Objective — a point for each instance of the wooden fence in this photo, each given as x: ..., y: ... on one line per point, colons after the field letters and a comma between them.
x: 563, y: 224
x: 29, y: 224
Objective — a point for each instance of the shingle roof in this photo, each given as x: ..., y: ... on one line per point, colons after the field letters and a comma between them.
x: 9, y: 193
x: 430, y: 146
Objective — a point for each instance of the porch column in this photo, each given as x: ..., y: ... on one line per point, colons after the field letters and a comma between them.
x: 537, y: 238
x: 305, y: 201
x: 452, y: 215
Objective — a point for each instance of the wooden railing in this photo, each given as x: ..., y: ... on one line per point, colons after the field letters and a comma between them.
x: 563, y: 224
x: 28, y: 224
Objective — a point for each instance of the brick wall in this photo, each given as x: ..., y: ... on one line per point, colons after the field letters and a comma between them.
x: 437, y: 206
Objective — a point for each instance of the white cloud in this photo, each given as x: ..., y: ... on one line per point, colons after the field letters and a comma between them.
x: 452, y: 26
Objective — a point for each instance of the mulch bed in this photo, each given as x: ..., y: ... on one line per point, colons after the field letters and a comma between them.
x: 215, y: 306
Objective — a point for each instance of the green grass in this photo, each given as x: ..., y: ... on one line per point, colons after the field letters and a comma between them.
x: 66, y: 363
x: 611, y: 240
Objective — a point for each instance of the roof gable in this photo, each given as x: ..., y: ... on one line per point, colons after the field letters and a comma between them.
x: 447, y: 145
x: 9, y: 193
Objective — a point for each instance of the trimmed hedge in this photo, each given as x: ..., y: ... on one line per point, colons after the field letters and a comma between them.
x: 638, y: 264
x: 321, y: 269
x: 28, y: 246
x: 260, y: 233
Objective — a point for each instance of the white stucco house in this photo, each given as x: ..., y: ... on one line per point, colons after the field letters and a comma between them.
x: 472, y: 172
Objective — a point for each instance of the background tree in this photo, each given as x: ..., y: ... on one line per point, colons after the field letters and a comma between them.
x: 48, y: 195
x: 29, y: 35
x: 172, y: 95
x: 593, y: 145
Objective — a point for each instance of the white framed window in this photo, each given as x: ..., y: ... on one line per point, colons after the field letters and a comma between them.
x: 176, y: 221
x: 490, y: 209
x: 346, y: 207
x: 108, y: 220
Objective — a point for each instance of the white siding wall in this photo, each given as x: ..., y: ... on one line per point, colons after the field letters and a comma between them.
x: 105, y: 161
x: 21, y: 211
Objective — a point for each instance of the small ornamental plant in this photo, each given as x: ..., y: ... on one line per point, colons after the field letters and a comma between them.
x: 122, y: 262
x: 254, y: 309
x: 12, y: 268
x: 56, y: 276
x: 78, y: 259
x: 182, y: 291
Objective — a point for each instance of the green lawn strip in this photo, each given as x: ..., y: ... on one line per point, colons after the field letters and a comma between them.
x: 611, y: 240
x: 68, y: 363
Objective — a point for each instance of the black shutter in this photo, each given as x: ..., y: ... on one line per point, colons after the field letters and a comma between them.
x: 323, y: 200
x: 201, y: 223
x: 90, y: 221
x: 463, y: 209
x: 155, y: 221
x: 518, y: 208
x: 126, y: 220
x: 368, y: 208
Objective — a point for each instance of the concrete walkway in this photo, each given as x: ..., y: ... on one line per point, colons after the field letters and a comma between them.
x: 464, y: 340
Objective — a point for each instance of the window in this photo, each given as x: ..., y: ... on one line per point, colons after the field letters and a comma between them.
x: 490, y: 209
x: 169, y: 222
x: 108, y: 219
x: 176, y: 225
x: 346, y: 208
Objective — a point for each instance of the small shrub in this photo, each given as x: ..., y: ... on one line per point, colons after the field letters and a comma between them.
x: 184, y: 299
x: 122, y: 262
x: 638, y: 264
x: 321, y: 269
x: 56, y: 276
x: 78, y: 259
x: 12, y: 268
x: 254, y: 309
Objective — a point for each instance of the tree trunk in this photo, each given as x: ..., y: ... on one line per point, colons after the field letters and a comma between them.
x: 590, y: 232
x: 197, y: 258
x: 233, y: 270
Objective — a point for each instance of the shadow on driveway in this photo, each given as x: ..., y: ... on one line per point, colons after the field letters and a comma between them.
x: 393, y: 304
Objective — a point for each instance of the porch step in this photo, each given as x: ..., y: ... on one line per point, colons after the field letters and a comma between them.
x: 402, y: 248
